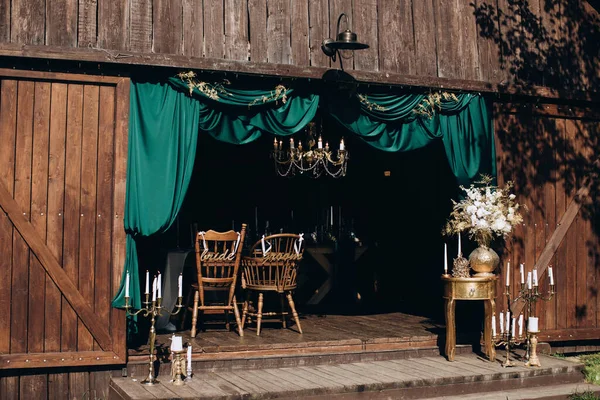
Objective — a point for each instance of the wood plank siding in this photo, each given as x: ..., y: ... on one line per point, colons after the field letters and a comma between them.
x: 551, y: 153
x: 500, y: 43
x: 61, y: 231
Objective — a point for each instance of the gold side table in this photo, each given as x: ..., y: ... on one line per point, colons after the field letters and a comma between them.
x: 474, y: 288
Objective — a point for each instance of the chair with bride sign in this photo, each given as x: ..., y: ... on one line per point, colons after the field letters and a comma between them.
x: 272, y: 266
x: 218, y: 258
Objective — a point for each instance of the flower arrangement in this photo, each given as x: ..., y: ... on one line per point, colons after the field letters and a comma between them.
x: 486, y: 212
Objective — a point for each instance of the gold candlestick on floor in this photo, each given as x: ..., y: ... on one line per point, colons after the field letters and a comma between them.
x: 534, y: 361
x: 178, y: 367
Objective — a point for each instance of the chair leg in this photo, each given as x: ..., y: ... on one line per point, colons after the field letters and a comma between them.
x: 282, y: 311
x: 195, y: 313
x: 294, y: 313
x: 244, y: 312
x: 259, y: 313
x: 227, y: 326
x: 236, y: 312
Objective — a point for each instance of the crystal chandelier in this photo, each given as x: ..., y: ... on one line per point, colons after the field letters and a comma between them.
x: 312, y: 161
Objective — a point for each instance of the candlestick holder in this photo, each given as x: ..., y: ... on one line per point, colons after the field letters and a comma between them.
x: 529, y: 296
x: 178, y: 367
x: 153, y: 309
x: 533, y: 360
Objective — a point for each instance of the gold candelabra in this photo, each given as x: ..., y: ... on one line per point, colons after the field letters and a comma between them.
x: 508, y: 337
x: 528, y: 293
x: 153, y: 309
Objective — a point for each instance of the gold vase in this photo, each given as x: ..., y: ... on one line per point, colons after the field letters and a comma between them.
x: 484, y: 261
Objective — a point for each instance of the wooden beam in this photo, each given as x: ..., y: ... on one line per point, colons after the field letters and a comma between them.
x: 54, y: 269
x: 281, y: 70
x: 58, y: 359
x: 566, y: 335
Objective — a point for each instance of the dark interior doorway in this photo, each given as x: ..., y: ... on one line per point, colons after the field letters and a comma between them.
x: 394, y: 203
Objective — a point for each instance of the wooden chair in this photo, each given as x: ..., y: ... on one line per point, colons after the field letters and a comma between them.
x: 218, y: 257
x: 273, y: 269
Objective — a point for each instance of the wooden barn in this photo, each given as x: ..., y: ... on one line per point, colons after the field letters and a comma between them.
x: 68, y: 74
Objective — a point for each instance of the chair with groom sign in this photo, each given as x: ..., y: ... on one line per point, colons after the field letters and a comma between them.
x: 272, y: 266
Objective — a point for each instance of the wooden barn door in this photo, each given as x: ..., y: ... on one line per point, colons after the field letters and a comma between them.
x: 551, y: 153
x: 63, y: 149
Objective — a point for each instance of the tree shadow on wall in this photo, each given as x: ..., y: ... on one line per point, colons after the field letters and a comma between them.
x: 551, y: 43
x: 548, y: 149
x: 554, y: 44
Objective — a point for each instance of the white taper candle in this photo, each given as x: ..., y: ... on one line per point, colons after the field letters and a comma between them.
x: 494, y: 325
x: 189, y: 359
x: 154, y: 289
x: 520, y: 325
x: 522, y: 269
x: 529, y: 280
x: 508, y: 273
x: 459, y: 245
x: 180, y: 286
x: 127, y: 284
x: 147, y: 282
x: 159, y: 286
x: 501, y: 322
x: 514, y: 328
x: 535, y: 278
x: 550, y: 276
x: 445, y: 258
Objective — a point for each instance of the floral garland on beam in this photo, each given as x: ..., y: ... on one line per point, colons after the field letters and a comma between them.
x: 216, y: 91
x: 369, y: 104
x: 210, y: 90
x: 280, y: 93
x: 433, y: 103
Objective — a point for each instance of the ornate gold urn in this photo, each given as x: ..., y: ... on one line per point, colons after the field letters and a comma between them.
x: 483, y: 261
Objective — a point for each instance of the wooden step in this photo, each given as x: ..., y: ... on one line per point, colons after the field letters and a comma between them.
x: 409, y: 378
x: 553, y: 392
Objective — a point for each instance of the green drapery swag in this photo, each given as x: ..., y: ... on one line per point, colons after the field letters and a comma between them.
x: 165, y: 119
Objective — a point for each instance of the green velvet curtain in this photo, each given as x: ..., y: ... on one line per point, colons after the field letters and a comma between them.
x: 163, y: 132
x: 165, y: 119
x: 389, y: 123
x: 232, y: 119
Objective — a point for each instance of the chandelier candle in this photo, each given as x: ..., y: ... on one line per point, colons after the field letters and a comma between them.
x: 508, y: 274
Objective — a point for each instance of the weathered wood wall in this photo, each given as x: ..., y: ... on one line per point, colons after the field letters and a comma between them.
x: 62, y: 191
x: 540, y: 42
x: 549, y: 152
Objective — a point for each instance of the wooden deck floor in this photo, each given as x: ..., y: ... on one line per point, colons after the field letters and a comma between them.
x: 322, y: 334
x: 422, y: 377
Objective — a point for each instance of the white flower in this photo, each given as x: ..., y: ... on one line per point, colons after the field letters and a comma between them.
x: 482, y: 223
x: 512, y: 196
x: 499, y: 224
x: 472, y: 209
